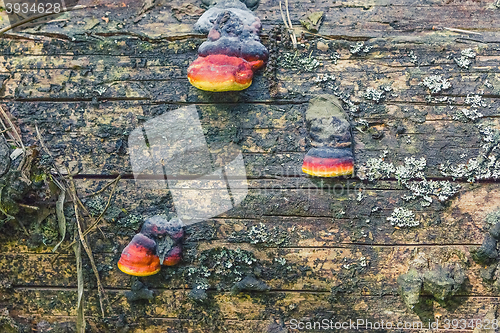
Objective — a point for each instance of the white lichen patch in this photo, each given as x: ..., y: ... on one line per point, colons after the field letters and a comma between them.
x: 469, y: 53
x: 339, y: 214
x: 411, y: 176
x: 413, y: 58
x: 363, y: 262
x: 374, y: 95
x: 484, y: 166
x: 327, y: 81
x: 465, y: 59
x: 362, y: 125
x: 443, y: 190
x: 466, y: 115
x: 436, y: 83
x: 403, y: 218
x: 473, y: 170
x: 475, y: 101
x: 353, y: 108
x: 261, y: 234
x: 281, y: 261
x: 412, y: 168
x: 360, y: 48
x: 334, y: 57
x: 492, y: 138
x: 324, y: 78
x: 258, y: 234
x: 376, y: 168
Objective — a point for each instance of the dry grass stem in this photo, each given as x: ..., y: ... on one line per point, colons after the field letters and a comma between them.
x: 288, y: 24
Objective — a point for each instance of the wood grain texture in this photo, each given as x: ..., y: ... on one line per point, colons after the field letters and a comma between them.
x: 324, y: 248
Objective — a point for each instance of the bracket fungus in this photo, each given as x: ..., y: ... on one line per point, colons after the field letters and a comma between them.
x: 232, y: 52
x: 158, y: 243
x: 331, y: 138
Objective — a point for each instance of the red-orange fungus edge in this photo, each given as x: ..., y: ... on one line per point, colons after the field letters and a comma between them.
x: 218, y: 72
x: 138, y: 257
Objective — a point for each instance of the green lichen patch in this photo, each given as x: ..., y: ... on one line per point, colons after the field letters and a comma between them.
x: 261, y: 234
x: 8, y: 325
x: 487, y: 253
x: 50, y: 230
x: 312, y: 21
x: 13, y: 186
x: 199, y: 293
x: 442, y: 282
x: 487, y: 273
x: 138, y: 292
x: 299, y: 62
x: 410, y: 287
x: 131, y: 221
x: 223, y: 266
x: 95, y: 205
x: 237, y: 271
x: 347, y: 286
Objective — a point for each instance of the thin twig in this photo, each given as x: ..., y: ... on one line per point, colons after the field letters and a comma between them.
x: 86, y: 247
x: 19, y: 141
x: 462, y: 31
x: 61, y: 219
x: 71, y: 188
x: 100, y: 217
x: 288, y: 24
x: 44, y: 147
x: 319, y: 35
x: 103, y: 189
x: 61, y: 186
x: 292, y: 33
x: 80, y: 318
x: 32, y: 18
x: 5, y: 130
x: 28, y: 206
x: 283, y: 17
x: 288, y: 15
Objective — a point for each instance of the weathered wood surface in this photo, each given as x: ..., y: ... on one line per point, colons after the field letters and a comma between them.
x: 93, y: 75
